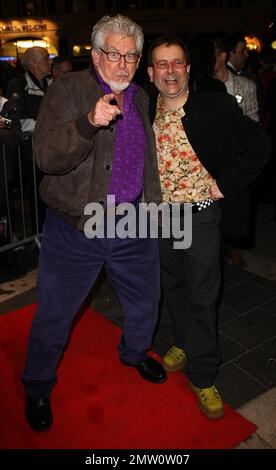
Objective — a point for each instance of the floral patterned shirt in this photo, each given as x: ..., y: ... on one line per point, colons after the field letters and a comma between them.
x: 182, y: 175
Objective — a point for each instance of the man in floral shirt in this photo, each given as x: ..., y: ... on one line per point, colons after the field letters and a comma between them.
x: 208, y: 152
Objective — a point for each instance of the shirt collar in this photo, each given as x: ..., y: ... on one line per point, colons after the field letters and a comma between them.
x: 162, y: 110
x: 42, y: 84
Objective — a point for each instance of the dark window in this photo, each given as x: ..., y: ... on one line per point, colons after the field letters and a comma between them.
x: 79, y: 6
x: 28, y: 8
x: 191, y: 4
x: 51, y: 6
x: 127, y: 4
x: 32, y: 8
x: 153, y: 4
x: 211, y: 3
x: 171, y: 4
x: 9, y: 9
x: 234, y: 3
x: 68, y: 6
x: 108, y: 6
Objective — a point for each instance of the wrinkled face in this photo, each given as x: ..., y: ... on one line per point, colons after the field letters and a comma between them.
x: 117, y: 75
x: 42, y: 64
x: 172, y: 81
x: 240, y: 56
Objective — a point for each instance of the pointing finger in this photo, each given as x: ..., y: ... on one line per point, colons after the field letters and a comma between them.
x: 107, y: 98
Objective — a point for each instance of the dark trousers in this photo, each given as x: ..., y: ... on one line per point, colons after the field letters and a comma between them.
x: 190, y: 281
x: 68, y: 266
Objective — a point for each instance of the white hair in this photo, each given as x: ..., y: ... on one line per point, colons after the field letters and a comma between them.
x: 117, y: 24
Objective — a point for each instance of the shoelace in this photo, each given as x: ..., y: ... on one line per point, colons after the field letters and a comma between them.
x: 179, y: 355
x: 211, y: 392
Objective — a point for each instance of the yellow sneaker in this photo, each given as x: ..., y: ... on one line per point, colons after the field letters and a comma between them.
x: 209, y: 401
x: 174, y: 359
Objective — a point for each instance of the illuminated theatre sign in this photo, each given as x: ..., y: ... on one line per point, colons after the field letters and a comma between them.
x: 22, y: 28
x: 18, y: 35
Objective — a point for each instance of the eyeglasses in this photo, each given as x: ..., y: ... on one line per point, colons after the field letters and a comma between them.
x: 129, y: 57
x: 164, y: 64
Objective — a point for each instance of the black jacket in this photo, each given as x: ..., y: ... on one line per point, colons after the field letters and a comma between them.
x: 10, y: 136
x: 233, y: 148
x: 76, y: 156
x: 28, y: 92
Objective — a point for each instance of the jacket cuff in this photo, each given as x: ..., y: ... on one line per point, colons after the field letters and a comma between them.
x: 85, y: 128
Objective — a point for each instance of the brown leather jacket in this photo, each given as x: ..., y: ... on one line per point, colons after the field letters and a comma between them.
x: 76, y: 156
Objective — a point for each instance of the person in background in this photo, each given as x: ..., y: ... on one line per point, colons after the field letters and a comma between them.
x: 267, y: 58
x: 267, y: 74
x: 60, y: 66
x: 271, y: 129
x: 10, y: 135
x: 207, y: 151
x: 238, y: 219
x: 28, y: 91
x: 242, y: 88
x: 238, y: 53
x: 93, y: 139
x: 239, y: 64
x: 9, y: 122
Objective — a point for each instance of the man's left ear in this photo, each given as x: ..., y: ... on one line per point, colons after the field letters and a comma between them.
x: 188, y: 68
x: 150, y: 72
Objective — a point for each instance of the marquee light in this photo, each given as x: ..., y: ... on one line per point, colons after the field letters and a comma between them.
x: 253, y: 43
x: 31, y: 43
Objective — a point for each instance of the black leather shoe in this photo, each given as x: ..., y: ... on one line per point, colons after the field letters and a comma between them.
x: 39, y: 414
x: 150, y: 370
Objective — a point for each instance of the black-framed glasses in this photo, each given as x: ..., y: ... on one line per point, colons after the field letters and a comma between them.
x: 129, y: 57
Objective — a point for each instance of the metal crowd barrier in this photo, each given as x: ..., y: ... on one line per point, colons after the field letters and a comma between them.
x: 19, y: 200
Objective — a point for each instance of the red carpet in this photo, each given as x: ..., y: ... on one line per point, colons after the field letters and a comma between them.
x: 99, y: 403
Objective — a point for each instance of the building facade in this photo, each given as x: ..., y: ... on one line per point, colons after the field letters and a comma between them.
x: 64, y: 26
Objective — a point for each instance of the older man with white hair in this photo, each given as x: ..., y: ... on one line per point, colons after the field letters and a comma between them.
x: 30, y: 88
x: 28, y: 91
x: 93, y: 139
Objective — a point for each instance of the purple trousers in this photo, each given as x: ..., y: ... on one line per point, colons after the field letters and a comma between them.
x: 69, y: 264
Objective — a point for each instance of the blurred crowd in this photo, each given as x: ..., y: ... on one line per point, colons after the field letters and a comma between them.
x: 23, y: 87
